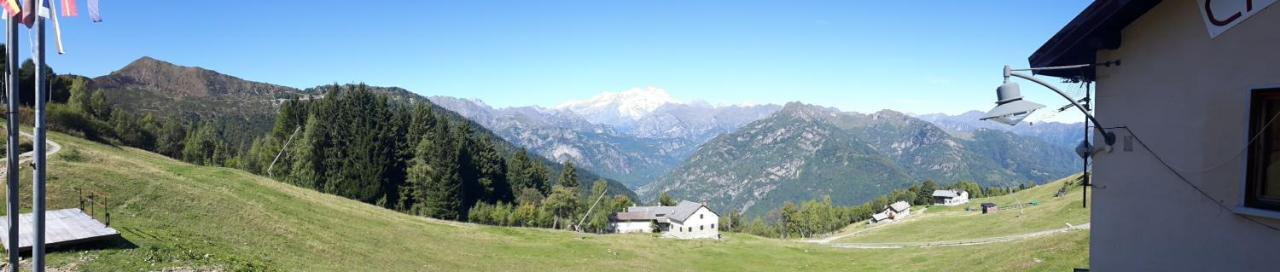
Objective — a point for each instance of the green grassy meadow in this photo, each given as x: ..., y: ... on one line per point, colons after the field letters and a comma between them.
x: 941, y: 223
x: 174, y: 215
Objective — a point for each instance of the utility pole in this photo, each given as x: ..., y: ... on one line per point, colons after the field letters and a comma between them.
x: 1084, y: 174
x: 38, y: 175
x: 282, y: 149
x: 593, y: 207
x: 11, y: 84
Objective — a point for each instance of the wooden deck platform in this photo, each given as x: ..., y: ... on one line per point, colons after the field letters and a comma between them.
x: 63, y: 227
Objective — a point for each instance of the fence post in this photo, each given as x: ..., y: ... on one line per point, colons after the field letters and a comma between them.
x: 106, y: 209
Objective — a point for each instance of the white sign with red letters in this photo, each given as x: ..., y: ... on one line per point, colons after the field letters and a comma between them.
x: 1221, y: 15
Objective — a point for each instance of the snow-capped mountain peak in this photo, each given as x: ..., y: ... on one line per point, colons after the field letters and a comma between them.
x: 630, y: 104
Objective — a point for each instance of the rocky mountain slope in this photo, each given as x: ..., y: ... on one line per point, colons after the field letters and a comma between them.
x: 652, y: 113
x: 635, y: 136
x: 804, y: 152
x: 564, y: 136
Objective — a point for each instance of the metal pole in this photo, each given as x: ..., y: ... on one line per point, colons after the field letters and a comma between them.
x: 1084, y: 173
x: 37, y: 188
x: 11, y: 82
x: 282, y: 149
x: 593, y: 207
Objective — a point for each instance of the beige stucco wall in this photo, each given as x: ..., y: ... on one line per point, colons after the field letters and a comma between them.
x: 1186, y: 96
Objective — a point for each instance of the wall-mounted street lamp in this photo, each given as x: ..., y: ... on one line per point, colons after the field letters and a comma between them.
x: 1011, y: 108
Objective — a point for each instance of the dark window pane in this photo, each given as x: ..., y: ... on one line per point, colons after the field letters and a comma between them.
x: 1270, y: 181
x: 1262, y: 186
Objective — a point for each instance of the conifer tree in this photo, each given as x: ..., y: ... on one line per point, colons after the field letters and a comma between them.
x: 171, y: 138
x: 539, y: 176
x: 516, y: 168
x: 492, y: 172
x: 569, y: 176
x: 306, y: 171
x: 434, y: 174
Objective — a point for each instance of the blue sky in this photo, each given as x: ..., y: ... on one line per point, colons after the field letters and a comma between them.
x: 914, y: 56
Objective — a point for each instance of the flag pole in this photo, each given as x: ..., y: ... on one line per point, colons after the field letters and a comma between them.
x: 11, y: 84
x: 37, y: 186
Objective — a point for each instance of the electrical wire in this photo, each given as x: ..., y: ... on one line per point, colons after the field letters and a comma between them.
x: 1228, y: 160
x: 1188, y: 181
x: 1053, y: 113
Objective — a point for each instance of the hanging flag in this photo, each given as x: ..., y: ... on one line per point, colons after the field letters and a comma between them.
x: 69, y: 8
x: 28, y: 13
x: 11, y: 8
x: 44, y: 9
x: 49, y: 12
x: 93, y: 11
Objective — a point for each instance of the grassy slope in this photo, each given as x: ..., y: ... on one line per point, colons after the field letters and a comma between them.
x: 941, y: 223
x: 177, y: 215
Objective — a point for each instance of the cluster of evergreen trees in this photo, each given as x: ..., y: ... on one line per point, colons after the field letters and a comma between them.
x: 359, y: 145
x: 412, y: 158
x: 816, y: 217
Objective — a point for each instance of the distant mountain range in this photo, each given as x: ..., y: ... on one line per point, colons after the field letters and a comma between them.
x: 1061, y: 134
x: 756, y: 157
x: 652, y: 113
x: 804, y: 152
x: 747, y: 157
x: 194, y: 94
x: 635, y: 136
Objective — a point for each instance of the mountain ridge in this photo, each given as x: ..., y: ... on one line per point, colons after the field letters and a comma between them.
x: 153, y: 74
x: 635, y: 150
x: 805, y: 152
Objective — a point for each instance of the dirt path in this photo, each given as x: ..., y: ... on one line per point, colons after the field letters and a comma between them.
x: 25, y: 157
x: 965, y: 242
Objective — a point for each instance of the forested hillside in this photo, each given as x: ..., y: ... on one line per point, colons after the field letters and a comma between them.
x: 409, y: 157
x: 380, y: 145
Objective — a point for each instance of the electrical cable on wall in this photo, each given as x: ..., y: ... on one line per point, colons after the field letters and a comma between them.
x: 1193, y: 185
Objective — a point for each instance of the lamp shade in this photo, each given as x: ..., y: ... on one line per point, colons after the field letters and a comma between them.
x: 1010, y: 108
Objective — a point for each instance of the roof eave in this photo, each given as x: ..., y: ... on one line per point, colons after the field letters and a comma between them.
x: 1097, y: 27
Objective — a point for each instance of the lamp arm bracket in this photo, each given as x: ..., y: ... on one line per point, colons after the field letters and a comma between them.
x: 1108, y: 137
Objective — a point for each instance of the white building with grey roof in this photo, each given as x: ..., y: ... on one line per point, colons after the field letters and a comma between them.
x: 896, y: 211
x: 950, y: 197
x: 685, y: 220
